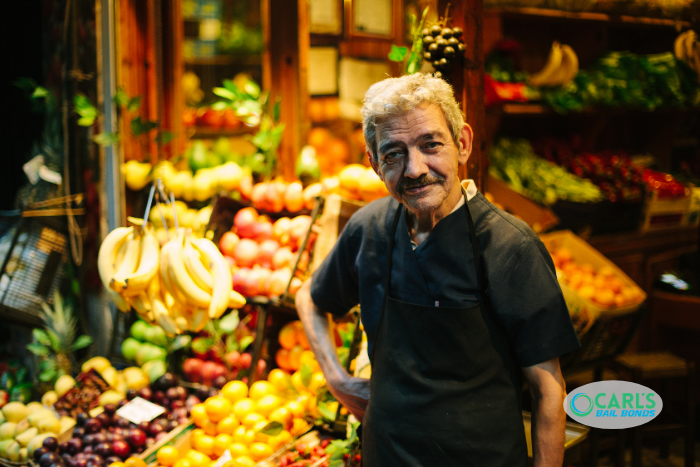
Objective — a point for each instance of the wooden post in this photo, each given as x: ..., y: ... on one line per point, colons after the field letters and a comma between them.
x: 469, y: 81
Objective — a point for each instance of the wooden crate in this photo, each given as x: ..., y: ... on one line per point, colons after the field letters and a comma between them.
x: 583, y: 253
x: 692, y: 216
x: 539, y: 218
x: 664, y: 213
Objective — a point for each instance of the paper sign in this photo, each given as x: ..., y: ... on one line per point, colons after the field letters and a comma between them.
x: 140, y: 410
x: 223, y: 459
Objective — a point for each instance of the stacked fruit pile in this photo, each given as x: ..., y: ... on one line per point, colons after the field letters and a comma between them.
x: 603, y: 287
x: 179, y: 287
x: 687, y: 49
x: 250, y: 424
x: 332, y: 153
x: 206, y: 181
x: 303, y: 455
x: 442, y: 47
x: 147, y: 343
x: 24, y: 427
x: 187, y: 218
x: 278, y: 195
x: 262, y: 254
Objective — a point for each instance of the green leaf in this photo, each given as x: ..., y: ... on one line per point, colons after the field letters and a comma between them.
x: 180, y: 342
x: 139, y: 127
x: 165, y: 137
x: 134, y: 104
x: 225, y: 93
x: 40, y: 92
x: 397, y: 54
x: 231, y: 344
x: 276, y: 110
x: 305, y: 375
x: 47, y: 364
x: 245, y: 342
x: 41, y: 336
x: 106, y: 138
x: 325, y: 411
x: 55, y: 341
x: 84, y: 108
x: 120, y: 98
x: 48, y: 375
x: 221, y: 105
x: 26, y: 84
x: 201, y: 345
x: 252, y: 88
x: 229, y: 322
x: 271, y: 429
x: 81, y: 342
x: 38, y: 349
x: 86, y: 121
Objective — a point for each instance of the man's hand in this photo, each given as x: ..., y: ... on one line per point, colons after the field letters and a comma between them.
x: 547, y: 391
x: 352, y: 392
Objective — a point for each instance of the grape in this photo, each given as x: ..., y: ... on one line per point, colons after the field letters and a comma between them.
x: 460, y: 48
x: 452, y: 41
x: 435, y: 30
x: 456, y: 32
x: 441, y: 43
x: 426, y: 32
x: 426, y: 56
x: 449, y: 52
x: 433, y: 47
x: 428, y: 40
x: 446, y: 33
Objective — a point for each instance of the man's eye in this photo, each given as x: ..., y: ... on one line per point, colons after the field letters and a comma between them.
x: 432, y: 145
x: 392, y: 157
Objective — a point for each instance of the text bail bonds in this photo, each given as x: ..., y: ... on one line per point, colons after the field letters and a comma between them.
x: 613, y: 404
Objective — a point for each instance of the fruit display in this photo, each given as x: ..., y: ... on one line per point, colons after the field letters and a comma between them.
x: 15, y: 383
x: 208, y: 178
x: 277, y: 196
x: 442, y: 47
x: 515, y: 162
x: 303, y: 455
x: 137, y: 174
x: 686, y: 48
x: 612, y: 171
x: 332, y: 153
x: 187, y: 218
x: 262, y: 254
x: 663, y: 185
x: 206, y: 117
x: 560, y: 69
x: 147, y: 343
x: 178, y: 288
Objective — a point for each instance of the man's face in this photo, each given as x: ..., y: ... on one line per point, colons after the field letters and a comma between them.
x: 418, y: 159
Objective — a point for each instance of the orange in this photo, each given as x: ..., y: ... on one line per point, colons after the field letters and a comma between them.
x: 302, y: 339
x: 607, y: 271
x: 298, y: 384
x: 319, y: 137
x: 267, y: 404
x: 235, y: 391
x: 238, y: 449
x: 243, y: 407
x: 260, y: 389
x: 587, y: 292
x: 575, y: 281
x: 299, y: 426
x: 279, y: 379
x: 620, y: 300
x: 209, y: 428
x: 204, y: 444
x: 296, y: 409
x: 221, y: 444
x: 135, y: 462
x: 239, y: 435
x: 167, y: 456
x: 563, y: 254
x: 244, y: 461
x: 307, y: 358
x: 184, y: 462
x: 251, y: 419
x: 249, y: 437
x: 227, y: 425
x: 282, y: 359
x: 294, y: 357
x: 116, y: 464
x: 287, y: 337
x: 197, y: 458
x: 197, y: 433
x: 279, y: 440
x: 317, y: 382
x: 260, y: 451
x: 615, y: 284
x: 350, y: 176
x: 282, y: 415
x: 587, y: 268
x: 199, y: 414
x: 217, y: 408
x: 604, y: 297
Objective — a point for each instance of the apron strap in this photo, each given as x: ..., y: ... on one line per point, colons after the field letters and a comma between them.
x: 478, y: 263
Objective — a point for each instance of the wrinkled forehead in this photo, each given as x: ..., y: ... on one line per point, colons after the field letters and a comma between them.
x: 424, y: 119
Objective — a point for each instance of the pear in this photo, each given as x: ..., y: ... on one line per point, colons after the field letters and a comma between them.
x: 38, y: 441
x: 2, y: 418
x: 135, y: 378
x: 100, y: 364
x: 12, y: 452
x: 136, y: 174
x: 64, y: 384
x: 7, y: 430
x: 34, y: 406
x: 23, y: 455
x: 66, y: 424
x: 111, y: 397
x: 34, y: 418
x: 21, y: 427
x: 4, y: 444
x: 24, y: 438
x: 110, y: 375
x: 229, y: 176
x: 49, y: 399
x: 49, y: 424
x: 15, y: 412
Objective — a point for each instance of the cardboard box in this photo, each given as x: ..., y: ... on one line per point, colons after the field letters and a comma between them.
x: 664, y: 213
x: 539, y: 218
x: 583, y: 253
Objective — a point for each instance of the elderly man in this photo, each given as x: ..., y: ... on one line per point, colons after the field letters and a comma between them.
x: 459, y: 301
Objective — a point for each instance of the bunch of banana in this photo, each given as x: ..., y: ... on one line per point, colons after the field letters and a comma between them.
x: 178, y: 287
x: 687, y: 49
x: 561, y: 67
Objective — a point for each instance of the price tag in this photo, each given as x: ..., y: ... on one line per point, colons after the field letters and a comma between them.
x: 223, y: 459
x: 140, y: 410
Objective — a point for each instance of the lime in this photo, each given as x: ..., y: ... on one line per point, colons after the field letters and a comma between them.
x: 138, y: 330
x: 130, y: 348
x: 156, y: 336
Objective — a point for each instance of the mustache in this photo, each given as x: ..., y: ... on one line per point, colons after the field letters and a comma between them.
x: 425, y: 179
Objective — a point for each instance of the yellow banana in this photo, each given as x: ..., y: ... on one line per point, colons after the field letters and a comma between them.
x: 544, y: 76
x: 178, y: 314
x: 198, y: 319
x: 129, y: 263
x: 147, y: 267
x: 236, y: 300
x: 679, y: 47
x: 141, y: 304
x: 200, y: 275
x: 689, y: 45
x: 163, y: 318
x: 221, y: 274
x: 106, y: 262
x: 166, y: 282
x: 569, y: 64
x: 696, y: 59
x: 181, y: 279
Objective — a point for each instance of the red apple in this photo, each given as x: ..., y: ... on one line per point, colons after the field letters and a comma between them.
x: 243, y: 222
x: 228, y: 243
x: 245, y: 360
x: 246, y: 253
x: 266, y: 252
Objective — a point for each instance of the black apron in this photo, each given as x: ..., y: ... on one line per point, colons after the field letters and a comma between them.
x: 444, y: 389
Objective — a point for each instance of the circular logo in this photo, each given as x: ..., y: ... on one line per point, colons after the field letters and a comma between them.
x: 578, y: 412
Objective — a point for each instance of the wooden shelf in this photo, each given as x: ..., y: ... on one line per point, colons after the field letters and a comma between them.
x: 545, y: 13
x: 241, y: 60
x: 204, y: 132
x: 532, y: 109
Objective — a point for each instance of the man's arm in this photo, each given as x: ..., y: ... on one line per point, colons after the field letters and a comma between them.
x: 352, y: 392
x: 547, y: 391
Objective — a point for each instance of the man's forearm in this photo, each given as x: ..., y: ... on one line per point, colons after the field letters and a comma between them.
x: 318, y: 331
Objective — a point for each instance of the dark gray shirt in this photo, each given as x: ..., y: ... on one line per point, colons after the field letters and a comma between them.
x: 523, y: 288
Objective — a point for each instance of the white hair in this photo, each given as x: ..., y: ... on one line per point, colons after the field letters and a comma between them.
x: 397, y: 96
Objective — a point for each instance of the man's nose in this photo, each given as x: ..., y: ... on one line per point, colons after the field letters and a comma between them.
x: 415, y: 164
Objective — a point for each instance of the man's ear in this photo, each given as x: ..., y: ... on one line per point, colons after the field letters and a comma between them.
x: 375, y: 165
x: 465, y: 144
